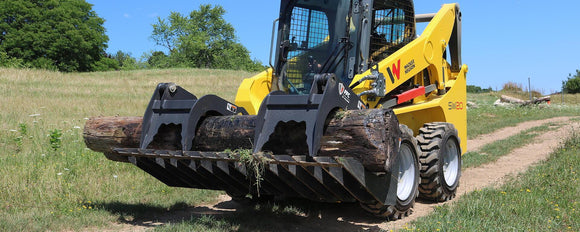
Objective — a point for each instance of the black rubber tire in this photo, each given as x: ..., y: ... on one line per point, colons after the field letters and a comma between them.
x: 434, y: 140
x: 404, y: 207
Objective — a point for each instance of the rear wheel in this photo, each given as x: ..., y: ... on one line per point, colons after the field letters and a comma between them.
x: 408, y: 180
x: 440, y: 161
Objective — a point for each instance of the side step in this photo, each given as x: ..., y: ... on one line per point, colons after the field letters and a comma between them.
x: 324, y: 179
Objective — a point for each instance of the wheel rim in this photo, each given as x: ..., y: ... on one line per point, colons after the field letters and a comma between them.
x: 451, y: 162
x: 406, y: 173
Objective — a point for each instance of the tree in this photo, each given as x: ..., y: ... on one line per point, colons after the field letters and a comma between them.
x: 52, y: 34
x: 158, y: 59
x: 125, y: 60
x: 203, y: 40
x: 572, y: 85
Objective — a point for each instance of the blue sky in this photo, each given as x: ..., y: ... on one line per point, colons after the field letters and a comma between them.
x: 503, y: 41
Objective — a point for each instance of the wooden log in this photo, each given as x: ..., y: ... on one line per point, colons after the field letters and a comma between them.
x: 542, y: 100
x: 368, y: 135
x: 520, y: 102
x: 508, y: 99
x: 371, y: 136
x: 102, y: 134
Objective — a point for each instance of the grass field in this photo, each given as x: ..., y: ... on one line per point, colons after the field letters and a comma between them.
x: 488, y: 118
x: 50, y: 181
x: 60, y: 185
x: 545, y: 198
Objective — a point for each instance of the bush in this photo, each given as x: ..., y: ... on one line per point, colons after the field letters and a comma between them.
x: 512, y: 87
x: 44, y: 63
x: 572, y: 85
x: 536, y: 94
x: 158, y: 59
x: 106, y: 64
x: 126, y: 61
x: 10, y: 62
x: 477, y: 89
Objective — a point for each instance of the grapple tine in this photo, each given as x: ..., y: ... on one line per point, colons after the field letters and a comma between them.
x: 181, y: 174
x: 171, y: 165
x: 183, y: 166
x: 327, y: 181
x: 221, y: 170
x: 151, y: 167
x: 271, y: 176
x: 375, y: 183
x: 302, y: 175
x: 189, y: 167
x: 289, y: 179
x: 357, y: 188
x: 209, y: 169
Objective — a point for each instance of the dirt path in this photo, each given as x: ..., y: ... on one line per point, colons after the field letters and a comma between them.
x: 350, y: 217
x: 482, y: 140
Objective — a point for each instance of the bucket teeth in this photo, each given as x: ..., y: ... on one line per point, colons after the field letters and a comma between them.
x: 325, y: 179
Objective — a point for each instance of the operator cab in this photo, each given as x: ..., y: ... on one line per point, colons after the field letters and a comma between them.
x: 343, y: 37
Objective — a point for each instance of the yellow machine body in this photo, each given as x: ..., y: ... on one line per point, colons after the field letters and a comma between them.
x: 423, y: 54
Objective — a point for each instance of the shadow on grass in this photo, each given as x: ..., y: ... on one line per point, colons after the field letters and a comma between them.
x: 288, y: 215
x: 139, y: 214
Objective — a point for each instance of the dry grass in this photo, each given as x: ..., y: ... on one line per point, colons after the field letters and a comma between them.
x: 72, y: 188
x: 569, y: 99
x: 67, y: 96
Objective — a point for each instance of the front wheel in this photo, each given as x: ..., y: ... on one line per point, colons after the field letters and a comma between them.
x: 440, y: 161
x: 408, y: 180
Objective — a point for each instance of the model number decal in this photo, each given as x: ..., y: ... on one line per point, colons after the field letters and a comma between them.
x: 410, y: 66
x: 456, y: 105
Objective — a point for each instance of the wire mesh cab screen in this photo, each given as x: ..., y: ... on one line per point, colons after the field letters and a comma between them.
x: 309, y: 35
x: 393, y: 28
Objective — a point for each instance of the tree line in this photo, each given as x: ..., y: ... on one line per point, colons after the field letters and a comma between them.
x: 69, y: 36
x: 572, y: 85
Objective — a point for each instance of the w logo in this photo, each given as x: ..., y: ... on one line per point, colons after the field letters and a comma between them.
x: 396, y: 71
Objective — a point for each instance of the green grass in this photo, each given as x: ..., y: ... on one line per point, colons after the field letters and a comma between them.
x: 544, y: 198
x: 55, y: 183
x: 488, y: 118
x: 50, y: 181
x: 493, y: 151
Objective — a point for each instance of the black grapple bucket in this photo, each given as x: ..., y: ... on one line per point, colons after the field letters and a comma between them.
x: 172, y: 119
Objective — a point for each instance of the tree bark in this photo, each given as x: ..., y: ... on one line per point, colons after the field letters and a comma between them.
x: 102, y: 134
x: 368, y: 135
x: 371, y: 136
